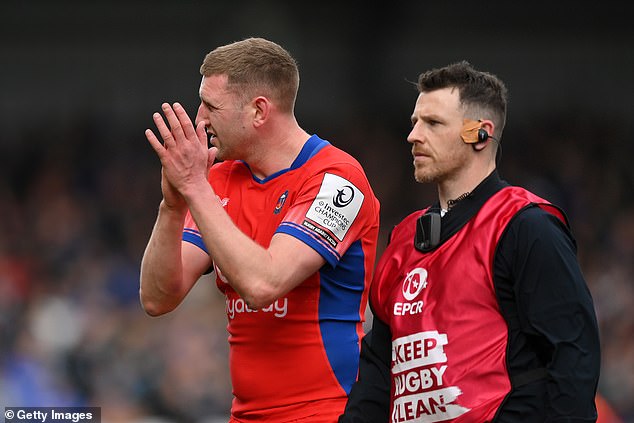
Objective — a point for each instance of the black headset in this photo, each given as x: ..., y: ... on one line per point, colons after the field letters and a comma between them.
x: 483, y: 135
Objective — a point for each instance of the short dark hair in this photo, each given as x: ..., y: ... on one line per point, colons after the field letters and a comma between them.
x: 483, y: 95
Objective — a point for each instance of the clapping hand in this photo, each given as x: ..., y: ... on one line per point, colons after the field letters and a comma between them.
x: 183, y: 154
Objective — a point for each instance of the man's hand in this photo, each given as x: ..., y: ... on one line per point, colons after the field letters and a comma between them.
x: 183, y: 154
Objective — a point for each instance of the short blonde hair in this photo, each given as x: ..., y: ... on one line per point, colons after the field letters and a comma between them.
x: 256, y: 66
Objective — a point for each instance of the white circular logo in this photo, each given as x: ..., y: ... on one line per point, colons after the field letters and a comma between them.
x: 414, y: 283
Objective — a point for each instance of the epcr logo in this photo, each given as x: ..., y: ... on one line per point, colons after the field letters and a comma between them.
x: 414, y: 283
x: 344, y: 196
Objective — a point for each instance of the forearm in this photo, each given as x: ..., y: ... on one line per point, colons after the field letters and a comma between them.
x: 162, y: 287
x: 247, y: 266
x: 555, y: 309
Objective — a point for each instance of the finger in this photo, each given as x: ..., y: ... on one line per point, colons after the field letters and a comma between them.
x: 154, y: 142
x: 185, y: 121
x: 201, y: 133
x: 174, y: 124
x: 164, y: 131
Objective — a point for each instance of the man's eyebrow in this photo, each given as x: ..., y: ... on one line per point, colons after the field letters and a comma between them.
x: 208, y: 104
x: 426, y: 118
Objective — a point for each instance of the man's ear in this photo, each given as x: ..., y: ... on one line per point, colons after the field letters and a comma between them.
x: 485, y: 134
x: 261, y: 110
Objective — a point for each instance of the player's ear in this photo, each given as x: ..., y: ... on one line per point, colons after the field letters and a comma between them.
x: 261, y: 109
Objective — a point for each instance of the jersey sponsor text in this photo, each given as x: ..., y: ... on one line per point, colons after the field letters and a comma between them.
x: 234, y: 306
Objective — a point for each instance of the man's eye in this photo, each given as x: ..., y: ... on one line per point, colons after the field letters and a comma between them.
x: 209, y: 106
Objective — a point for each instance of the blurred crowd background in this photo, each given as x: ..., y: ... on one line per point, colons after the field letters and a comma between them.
x: 79, y: 185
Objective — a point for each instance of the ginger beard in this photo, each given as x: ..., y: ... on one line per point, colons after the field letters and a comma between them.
x: 442, y: 164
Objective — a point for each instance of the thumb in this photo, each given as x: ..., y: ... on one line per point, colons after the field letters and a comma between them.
x: 211, y: 156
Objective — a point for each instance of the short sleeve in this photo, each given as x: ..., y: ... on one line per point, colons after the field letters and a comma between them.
x: 191, y: 233
x: 333, y: 209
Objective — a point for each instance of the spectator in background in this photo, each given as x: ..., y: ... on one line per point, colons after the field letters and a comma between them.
x: 102, y: 165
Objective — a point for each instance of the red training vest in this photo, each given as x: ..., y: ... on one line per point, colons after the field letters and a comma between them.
x: 449, y: 338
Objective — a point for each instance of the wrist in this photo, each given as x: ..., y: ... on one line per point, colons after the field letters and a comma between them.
x: 197, y: 190
x: 178, y: 211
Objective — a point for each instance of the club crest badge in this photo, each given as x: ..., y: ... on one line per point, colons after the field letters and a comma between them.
x: 280, y: 202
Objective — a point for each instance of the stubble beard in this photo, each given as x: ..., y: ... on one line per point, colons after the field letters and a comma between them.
x: 440, y: 170
x: 220, y: 155
x: 225, y: 152
x: 425, y: 175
